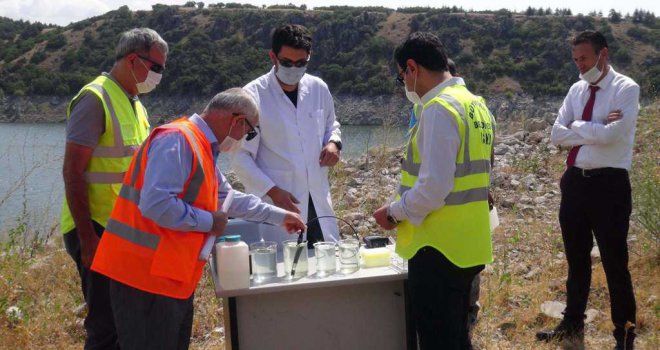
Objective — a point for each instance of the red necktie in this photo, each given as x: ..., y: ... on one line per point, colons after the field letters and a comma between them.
x: 586, y: 116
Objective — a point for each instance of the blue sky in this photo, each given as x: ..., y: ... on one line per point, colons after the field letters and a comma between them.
x: 63, y: 12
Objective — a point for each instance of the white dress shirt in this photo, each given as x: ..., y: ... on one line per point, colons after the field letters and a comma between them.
x: 603, y: 145
x: 438, y: 141
x: 285, y: 153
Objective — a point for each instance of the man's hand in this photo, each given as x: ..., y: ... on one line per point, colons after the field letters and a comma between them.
x: 613, y: 116
x: 293, y: 223
x: 219, y: 223
x: 89, y: 241
x: 381, y: 218
x: 283, y: 199
x: 329, y: 155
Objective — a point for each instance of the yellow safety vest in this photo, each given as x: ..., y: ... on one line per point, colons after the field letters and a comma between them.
x: 125, y: 130
x: 460, y: 228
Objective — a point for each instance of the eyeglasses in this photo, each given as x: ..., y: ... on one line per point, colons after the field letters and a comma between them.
x: 399, y: 78
x: 155, y: 67
x: 250, y: 134
x: 288, y: 63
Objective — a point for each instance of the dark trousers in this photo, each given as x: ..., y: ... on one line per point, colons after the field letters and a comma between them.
x: 440, y: 297
x: 473, y: 309
x: 99, y: 323
x: 150, y: 321
x: 599, y: 204
x: 314, y: 233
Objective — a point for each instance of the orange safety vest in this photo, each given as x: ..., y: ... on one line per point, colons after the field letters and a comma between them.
x: 135, y: 250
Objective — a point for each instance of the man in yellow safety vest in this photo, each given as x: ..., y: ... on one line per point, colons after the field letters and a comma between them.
x: 106, y: 123
x: 441, y: 210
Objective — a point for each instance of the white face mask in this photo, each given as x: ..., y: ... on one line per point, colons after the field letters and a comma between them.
x: 592, y: 75
x: 412, y: 95
x: 150, y: 82
x: 229, y: 144
x: 290, y: 75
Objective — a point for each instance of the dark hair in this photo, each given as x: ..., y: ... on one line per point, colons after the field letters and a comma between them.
x: 451, y: 66
x: 424, y: 48
x: 595, y: 38
x: 293, y: 35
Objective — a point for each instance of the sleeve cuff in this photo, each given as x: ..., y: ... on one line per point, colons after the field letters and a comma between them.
x: 577, y: 123
x: 583, y: 129
x: 263, y: 189
x: 396, y: 210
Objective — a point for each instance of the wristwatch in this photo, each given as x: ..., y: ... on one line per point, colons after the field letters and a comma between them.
x: 390, y: 218
x: 337, y: 143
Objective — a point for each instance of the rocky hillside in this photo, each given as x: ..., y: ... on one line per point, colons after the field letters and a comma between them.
x: 353, y: 110
x: 503, y: 55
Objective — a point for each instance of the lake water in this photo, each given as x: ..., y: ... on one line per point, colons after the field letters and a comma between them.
x: 31, y: 169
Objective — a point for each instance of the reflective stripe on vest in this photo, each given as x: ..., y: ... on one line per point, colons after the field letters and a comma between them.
x: 459, y: 197
x: 132, y: 194
x: 138, y: 252
x: 126, y: 126
x: 118, y: 150
x: 198, y: 176
x: 458, y: 229
x: 133, y: 235
x: 466, y: 168
x: 104, y: 178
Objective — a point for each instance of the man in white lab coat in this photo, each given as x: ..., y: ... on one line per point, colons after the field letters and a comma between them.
x: 299, y: 139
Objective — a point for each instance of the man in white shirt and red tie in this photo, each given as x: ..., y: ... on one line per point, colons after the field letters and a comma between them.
x: 597, y: 119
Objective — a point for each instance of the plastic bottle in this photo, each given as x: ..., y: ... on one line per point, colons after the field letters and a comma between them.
x: 232, y: 263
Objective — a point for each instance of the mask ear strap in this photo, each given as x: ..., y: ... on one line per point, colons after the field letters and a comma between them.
x: 231, y: 126
x: 415, y: 84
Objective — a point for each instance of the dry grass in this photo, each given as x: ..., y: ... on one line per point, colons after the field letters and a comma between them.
x: 396, y: 27
x: 529, y: 269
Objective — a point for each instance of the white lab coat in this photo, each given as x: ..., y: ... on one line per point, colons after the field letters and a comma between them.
x: 286, y: 151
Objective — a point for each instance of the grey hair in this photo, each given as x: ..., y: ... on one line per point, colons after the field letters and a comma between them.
x: 235, y: 100
x: 139, y: 40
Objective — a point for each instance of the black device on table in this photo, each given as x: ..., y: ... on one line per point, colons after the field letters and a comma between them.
x: 375, y: 241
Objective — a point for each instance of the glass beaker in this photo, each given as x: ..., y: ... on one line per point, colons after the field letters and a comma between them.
x: 326, y: 260
x: 264, y: 260
x: 349, y: 257
x: 290, y: 249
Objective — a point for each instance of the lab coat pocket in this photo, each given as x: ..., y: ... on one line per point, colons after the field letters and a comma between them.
x: 282, y: 178
x: 319, y: 118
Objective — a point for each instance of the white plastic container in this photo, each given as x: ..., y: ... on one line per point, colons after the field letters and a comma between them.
x: 494, y: 219
x: 232, y: 263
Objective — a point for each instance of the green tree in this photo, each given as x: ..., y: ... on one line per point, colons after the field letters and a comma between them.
x: 38, y: 57
x: 614, y: 17
x: 56, y: 42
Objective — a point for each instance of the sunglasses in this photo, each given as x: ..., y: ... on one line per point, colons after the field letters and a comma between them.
x: 399, y: 78
x: 288, y: 63
x: 250, y: 134
x: 155, y: 67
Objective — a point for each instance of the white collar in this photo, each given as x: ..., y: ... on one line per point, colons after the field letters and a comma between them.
x: 436, y: 90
